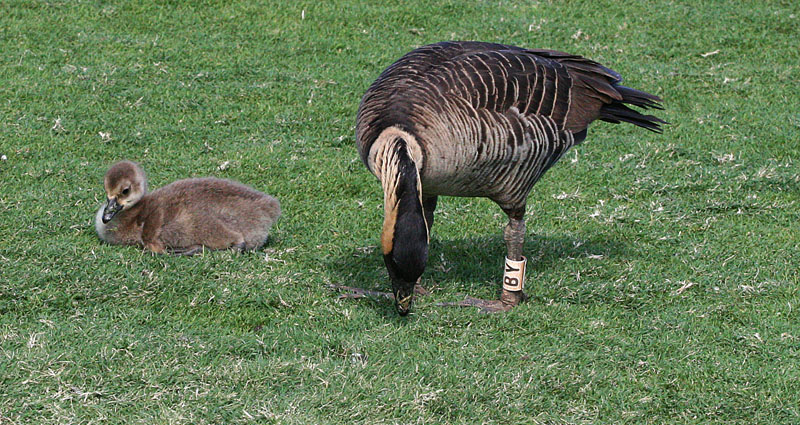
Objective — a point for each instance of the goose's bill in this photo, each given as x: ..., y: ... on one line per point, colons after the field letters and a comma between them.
x: 403, y: 305
x: 111, y: 209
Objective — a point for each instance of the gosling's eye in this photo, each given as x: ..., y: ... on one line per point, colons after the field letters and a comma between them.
x: 126, y: 191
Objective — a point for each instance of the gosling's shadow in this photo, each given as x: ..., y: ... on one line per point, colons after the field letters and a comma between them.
x: 455, y: 265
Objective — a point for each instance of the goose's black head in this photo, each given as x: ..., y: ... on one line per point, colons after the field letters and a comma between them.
x: 405, y: 234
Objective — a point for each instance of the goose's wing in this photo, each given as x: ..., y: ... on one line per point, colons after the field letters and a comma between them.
x: 569, y: 89
x: 449, y: 78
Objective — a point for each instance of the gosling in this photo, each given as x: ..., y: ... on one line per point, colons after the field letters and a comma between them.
x: 183, y: 217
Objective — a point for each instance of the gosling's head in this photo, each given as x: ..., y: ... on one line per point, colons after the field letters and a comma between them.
x: 125, y: 184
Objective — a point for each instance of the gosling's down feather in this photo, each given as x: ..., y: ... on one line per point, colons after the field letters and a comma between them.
x: 184, y: 216
x: 479, y: 119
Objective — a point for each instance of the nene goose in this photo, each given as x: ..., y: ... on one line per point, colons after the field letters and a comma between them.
x: 185, y: 216
x: 480, y: 120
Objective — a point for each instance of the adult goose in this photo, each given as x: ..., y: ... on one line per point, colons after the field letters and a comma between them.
x: 466, y: 118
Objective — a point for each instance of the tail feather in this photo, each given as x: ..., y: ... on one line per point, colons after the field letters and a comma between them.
x: 617, y: 111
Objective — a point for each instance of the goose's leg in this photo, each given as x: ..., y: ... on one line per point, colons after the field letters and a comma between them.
x: 514, y: 276
x: 155, y: 247
x: 514, y: 269
x: 429, y: 206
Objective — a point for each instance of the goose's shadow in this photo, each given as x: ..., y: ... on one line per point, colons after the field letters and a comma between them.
x: 455, y: 266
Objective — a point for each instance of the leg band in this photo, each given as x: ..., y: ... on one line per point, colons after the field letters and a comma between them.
x: 514, y: 275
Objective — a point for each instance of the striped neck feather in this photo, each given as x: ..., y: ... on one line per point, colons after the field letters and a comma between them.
x: 404, y: 239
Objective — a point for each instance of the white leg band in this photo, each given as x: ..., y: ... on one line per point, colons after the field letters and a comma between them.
x: 514, y: 275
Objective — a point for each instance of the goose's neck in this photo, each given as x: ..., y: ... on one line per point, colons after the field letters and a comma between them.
x: 404, y: 239
x: 402, y: 189
x: 383, y: 157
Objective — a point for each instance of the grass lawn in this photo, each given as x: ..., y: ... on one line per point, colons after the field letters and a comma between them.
x: 663, y: 269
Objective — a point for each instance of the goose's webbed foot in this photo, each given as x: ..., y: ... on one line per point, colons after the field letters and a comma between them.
x: 507, y: 301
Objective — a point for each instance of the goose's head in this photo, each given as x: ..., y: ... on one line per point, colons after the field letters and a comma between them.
x: 125, y: 184
x: 404, y: 239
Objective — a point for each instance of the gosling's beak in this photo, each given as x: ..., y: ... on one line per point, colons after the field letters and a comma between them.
x: 111, y: 209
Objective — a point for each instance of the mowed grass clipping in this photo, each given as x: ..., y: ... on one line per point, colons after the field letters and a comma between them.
x: 663, y: 269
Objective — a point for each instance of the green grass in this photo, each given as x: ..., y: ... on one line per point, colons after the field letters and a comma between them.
x: 664, y: 268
